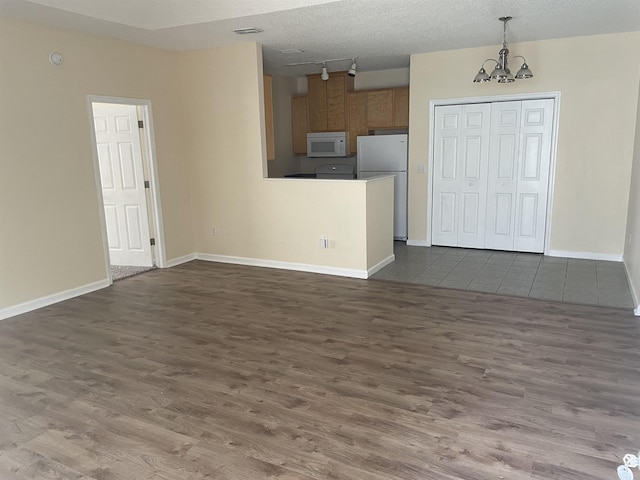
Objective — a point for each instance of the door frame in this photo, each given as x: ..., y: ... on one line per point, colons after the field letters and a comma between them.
x: 155, y: 205
x: 555, y: 96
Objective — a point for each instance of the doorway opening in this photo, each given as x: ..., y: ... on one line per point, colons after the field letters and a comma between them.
x: 126, y: 176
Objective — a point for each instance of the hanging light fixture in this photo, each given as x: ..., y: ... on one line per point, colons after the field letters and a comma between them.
x: 324, y: 75
x: 501, y: 72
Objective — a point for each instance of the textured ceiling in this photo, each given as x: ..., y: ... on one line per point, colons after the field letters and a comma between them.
x: 381, y: 33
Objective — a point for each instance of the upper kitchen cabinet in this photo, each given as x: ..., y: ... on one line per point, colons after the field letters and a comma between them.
x: 327, y: 102
x: 357, y: 118
x: 268, y: 117
x: 299, y: 124
x: 401, y: 107
x: 381, y: 109
x: 388, y: 108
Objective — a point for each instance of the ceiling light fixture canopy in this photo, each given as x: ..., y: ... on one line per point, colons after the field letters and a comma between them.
x: 501, y: 72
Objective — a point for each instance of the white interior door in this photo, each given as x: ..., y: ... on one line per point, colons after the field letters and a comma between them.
x: 122, y: 178
x: 460, y: 175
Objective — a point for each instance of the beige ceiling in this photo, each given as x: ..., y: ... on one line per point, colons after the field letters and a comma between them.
x: 381, y: 33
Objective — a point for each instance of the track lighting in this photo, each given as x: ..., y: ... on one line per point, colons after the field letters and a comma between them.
x: 324, y: 75
x: 352, y: 70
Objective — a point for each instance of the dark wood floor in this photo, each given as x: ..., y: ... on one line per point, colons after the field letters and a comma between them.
x: 213, y: 371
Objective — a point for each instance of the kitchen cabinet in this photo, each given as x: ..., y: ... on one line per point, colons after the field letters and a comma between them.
x: 357, y: 118
x: 317, y: 104
x: 327, y: 102
x: 380, y: 109
x: 299, y: 124
x: 333, y: 106
x: 268, y: 117
x: 401, y: 107
x: 376, y: 109
x: 388, y: 108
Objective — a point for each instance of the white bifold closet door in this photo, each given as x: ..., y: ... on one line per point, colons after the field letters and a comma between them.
x: 512, y: 188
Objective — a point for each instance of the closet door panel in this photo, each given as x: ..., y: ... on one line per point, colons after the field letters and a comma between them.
x: 472, y: 184
x: 502, y: 176
x: 445, y: 175
x: 533, y: 174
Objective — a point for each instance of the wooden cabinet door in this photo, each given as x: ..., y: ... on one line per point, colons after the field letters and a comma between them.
x: 317, y: 104
x: 268, y: 117
x: 336, y: 103
x: 299, y: 124
x: 401, y: 107
x: 357, y: 118
x: 380, y: 109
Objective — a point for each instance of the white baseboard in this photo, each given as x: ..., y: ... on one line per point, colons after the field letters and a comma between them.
x: 585, y: 255
x: 180, y: 260
x: 51, y: 299
x: 300, y: 267
x: 376, y: 268
x: 418, y: 243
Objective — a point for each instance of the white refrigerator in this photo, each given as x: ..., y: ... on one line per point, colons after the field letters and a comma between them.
x: 387, y: 155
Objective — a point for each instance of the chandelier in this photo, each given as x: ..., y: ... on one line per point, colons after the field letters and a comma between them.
x: 501, y: 72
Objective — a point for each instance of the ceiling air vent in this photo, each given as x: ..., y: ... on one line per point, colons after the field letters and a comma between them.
x: 245, y: 31
x: 291, y: 51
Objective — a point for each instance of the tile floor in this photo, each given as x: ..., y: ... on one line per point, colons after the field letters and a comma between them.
x: 511, y: 273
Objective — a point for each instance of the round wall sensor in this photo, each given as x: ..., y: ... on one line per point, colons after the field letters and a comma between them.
x: 56, y: 58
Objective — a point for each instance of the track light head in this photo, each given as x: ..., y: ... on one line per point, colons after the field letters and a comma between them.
x: 352, y: 70
x: 324, y: 75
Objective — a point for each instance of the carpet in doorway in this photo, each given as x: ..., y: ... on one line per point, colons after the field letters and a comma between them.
x: 118, y: 272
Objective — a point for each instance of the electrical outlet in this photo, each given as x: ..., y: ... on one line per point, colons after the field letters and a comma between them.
x: 422, y: 168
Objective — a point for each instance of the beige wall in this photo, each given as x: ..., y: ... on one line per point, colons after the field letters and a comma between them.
x: 379, y: 220
x: 208, y: 114
x: 632, y: 244
x: 396, y: 77
x: 50, y: 232
x: 280, y: 220
x: 596, y: 129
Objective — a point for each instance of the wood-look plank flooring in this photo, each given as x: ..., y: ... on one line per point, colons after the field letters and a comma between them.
x: 214, y: 371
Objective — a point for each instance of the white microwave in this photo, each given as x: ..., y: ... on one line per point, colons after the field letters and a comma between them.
x: 327, y: 144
